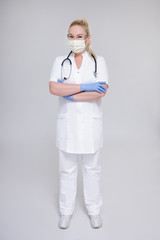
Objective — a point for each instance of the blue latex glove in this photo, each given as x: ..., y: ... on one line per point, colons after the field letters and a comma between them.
x: 69, y: 97
x: 59, y: 81
x: 93, y: 87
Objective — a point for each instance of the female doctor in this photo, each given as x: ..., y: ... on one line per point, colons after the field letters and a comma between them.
x: 79, y: 129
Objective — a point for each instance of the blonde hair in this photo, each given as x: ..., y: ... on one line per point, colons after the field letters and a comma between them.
x: 83, y: 23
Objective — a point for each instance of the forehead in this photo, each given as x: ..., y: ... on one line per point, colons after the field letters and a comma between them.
x: 76, y: 30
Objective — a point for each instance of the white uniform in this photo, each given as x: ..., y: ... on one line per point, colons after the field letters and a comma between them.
x: 79, y: 127
x: 79, y: 130
x: 91, y: 169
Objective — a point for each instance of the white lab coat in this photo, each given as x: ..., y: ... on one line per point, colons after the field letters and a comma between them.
x: 79, y: 127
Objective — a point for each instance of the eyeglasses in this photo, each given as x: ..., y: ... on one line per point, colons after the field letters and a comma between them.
x: 79, y: 37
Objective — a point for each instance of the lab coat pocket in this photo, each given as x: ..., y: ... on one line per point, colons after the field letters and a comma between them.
x: 62, y: 106
x: 98, y: 125
x: 97, y: 115
x: 61, y: 129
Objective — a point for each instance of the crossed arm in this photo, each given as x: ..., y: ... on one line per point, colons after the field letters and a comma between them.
x: 62, y: 89
x: 87, y: 96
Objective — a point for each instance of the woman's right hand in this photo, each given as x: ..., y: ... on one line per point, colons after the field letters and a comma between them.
x: 93, y: 87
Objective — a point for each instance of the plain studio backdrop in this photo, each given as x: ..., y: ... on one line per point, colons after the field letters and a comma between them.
x: 33, y: 34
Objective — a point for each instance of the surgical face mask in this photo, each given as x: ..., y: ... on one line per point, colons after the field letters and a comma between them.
x: 76, y: 46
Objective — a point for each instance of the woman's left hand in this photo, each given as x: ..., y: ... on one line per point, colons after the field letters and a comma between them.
x: 69, y: 97
x: 59, y: 81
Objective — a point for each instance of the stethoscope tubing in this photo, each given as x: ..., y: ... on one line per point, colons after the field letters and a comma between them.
x: 68, y: 59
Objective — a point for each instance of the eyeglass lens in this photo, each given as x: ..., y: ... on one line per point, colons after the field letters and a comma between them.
x: 80, y: 36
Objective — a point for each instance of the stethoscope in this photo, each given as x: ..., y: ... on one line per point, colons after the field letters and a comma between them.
x: 70, y: 62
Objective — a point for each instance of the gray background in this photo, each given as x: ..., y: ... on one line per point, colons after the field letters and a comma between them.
x: 127, y: 34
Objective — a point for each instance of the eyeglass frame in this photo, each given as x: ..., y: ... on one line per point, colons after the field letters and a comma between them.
x: 84, y: 36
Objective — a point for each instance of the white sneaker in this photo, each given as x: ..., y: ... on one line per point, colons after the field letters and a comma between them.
x: 96, y: 221
x: 64, y: 221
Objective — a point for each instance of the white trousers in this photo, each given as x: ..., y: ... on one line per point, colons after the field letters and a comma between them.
x: 68, y: 168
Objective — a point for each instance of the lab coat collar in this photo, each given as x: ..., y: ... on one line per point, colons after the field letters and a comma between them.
x: 83, y: 54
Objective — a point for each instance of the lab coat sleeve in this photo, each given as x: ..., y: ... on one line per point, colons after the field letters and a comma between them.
x: 102, y: 71
x: 55, y: 73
